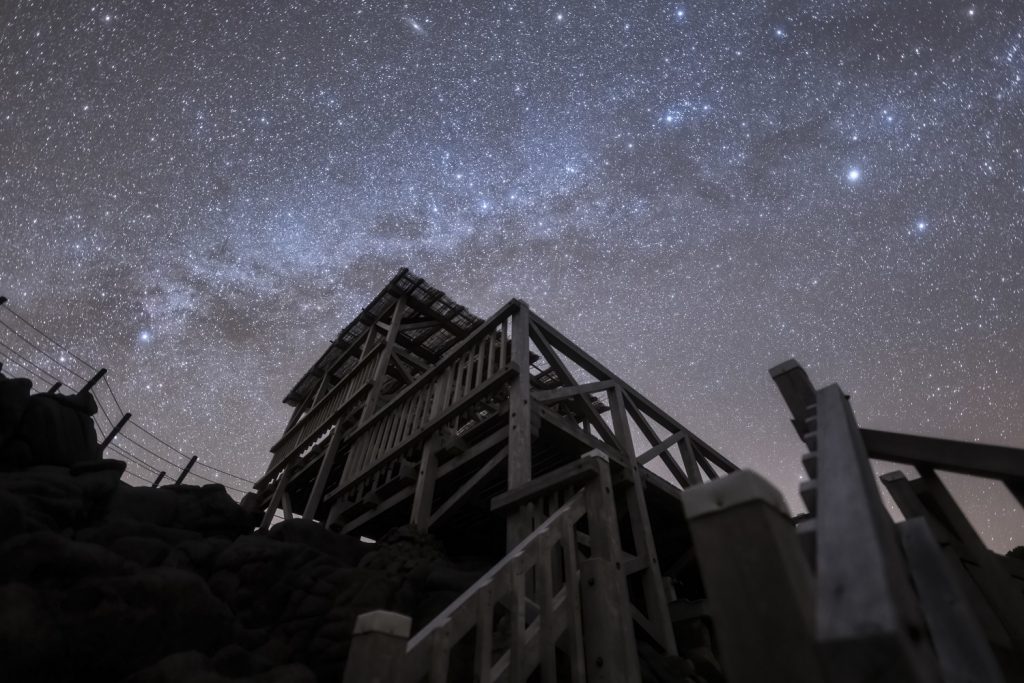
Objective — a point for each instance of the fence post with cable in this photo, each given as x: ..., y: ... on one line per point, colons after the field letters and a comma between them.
x: 27, y: 351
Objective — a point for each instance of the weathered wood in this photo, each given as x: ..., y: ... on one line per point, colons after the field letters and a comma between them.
x: 963, y: 654
x: 760, y: 592
x: 999, y: 462
x: 566, y: 475
x: 378, y: 648
x: 519, y: 448
x: 327, y: 462
x: 609, y: 645
x: 797, y: 390
x: 468, y: 487
x: 656, y: 605
x: 866, y: 613
x: 994, y: 580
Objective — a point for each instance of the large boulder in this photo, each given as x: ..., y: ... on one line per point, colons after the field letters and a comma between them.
x: 45, y: 429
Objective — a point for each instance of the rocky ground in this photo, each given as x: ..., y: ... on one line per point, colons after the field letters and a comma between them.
x: 101, y: 581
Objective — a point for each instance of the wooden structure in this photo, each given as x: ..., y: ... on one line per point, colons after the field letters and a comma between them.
x: 505, y: 440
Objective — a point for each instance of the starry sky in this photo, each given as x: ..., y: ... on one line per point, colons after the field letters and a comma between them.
x: 199, y: 195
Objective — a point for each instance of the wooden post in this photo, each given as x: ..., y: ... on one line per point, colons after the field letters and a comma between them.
x: 990, y: 575
x: 608, y: 641
x: 159, y: 478
x: 317, y: 492
x: 92, y: 382
x: 113, y: 432
x: 963, y: 653
x: 759, y: 586
x: 423, y: 498
x: 656, y: 606
x: 519, y: 459
x: 868, y: 624
x: 378, y: 647
x: 275, y: 499
x: 380, y: 372
x: 184, y: 472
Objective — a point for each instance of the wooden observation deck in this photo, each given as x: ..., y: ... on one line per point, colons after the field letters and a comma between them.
x: 509, y: 443
x: 479, y: 431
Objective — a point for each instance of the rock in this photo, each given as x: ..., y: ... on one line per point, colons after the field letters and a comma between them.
x: 346, y: 549
x: 57, y: 430
x: 14, y: 395
x: 207, y: 510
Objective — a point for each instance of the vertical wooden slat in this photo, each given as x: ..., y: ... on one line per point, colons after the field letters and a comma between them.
x: 440, y: 653
x: 544, y: 596
x: 484, y: 632
x: 517, y: 625
x: 519, y: 458
x: 574, y: 616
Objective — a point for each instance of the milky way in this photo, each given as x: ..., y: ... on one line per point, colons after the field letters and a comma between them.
x: 198, y: 195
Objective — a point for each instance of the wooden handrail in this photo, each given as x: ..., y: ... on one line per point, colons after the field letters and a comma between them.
x: 432, y: 644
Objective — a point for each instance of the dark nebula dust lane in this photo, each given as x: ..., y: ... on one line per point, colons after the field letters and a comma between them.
x: 199, y: 195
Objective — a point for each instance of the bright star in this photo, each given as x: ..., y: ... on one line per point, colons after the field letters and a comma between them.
x: 144, y: 336
x: 921, y: 225
x: 853, y: 175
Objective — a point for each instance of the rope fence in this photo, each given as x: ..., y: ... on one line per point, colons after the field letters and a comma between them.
x: 29, y: 352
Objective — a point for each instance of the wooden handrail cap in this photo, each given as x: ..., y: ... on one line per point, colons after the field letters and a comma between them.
x: 383, y: 622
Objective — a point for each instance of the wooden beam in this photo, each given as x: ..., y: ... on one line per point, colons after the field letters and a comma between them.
x: 964, y: 655
x: 571, y: 473
x: 562, y: 393
x: 468, y: 487
x: 589, y: 414
x: 317, y: 492
x: 983, y: 460
x: 574, y: 353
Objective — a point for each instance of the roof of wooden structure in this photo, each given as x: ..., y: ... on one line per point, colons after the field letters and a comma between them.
x: 454, y: 322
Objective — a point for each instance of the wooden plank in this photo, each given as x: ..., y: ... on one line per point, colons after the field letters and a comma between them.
x: 424, y: 497
x: 484, y: 632
x: 574, y: 353
x: 317, y: 492
x: 570, y: 473
x: 865, y: 605
x: 468, y: 487
x: 654, y: 451
x: 983, y: 460
x: 589, y: 413
x: 963, y: 654
x: 562, y: 393
x: 545, y: 595
x: 995, y: 583
x: 574, y: 624
x: 656, y: 605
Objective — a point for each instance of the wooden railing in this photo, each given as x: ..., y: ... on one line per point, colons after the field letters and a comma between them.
x: 547, y: 559
x: 476, y: 368
x: 323, y: 414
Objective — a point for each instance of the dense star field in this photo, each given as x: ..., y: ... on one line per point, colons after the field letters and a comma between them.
x: 198, y: 195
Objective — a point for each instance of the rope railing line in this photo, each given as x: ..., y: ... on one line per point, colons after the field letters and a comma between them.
x: 127, y: 454
x: 24, y: 359
x: 110, y: 389
x: 36, y: 346
x: 40, y: 373
x: 198, y: 463
x: 7, y: 306
x: 34, y: 376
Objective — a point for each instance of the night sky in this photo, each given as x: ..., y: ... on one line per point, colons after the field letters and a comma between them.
x: 199, y: 195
